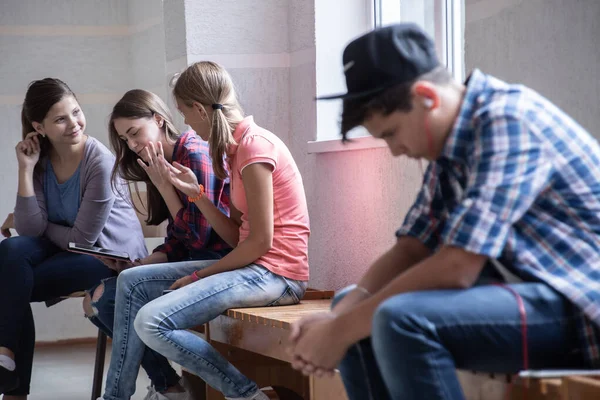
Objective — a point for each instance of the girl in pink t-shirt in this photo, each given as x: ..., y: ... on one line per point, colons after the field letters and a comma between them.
x: 268, y: 230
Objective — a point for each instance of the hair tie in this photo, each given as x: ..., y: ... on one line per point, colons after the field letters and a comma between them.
x: 217, y: 106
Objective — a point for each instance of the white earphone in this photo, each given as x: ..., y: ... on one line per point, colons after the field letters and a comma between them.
x: 427, y: 102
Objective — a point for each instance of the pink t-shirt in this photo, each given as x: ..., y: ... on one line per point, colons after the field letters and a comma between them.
x: 288, y: 256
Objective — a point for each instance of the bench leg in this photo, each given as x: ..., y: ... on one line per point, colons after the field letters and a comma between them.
x: 194, y: 385
x: 283, y: 393
x: 99, y: 365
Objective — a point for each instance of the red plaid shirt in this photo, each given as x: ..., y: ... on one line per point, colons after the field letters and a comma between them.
x: 190, y: 231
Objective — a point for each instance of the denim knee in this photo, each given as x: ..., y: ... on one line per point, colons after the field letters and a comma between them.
x: 15, y: 248
x: 147, y: 322
x: 397, y: 315
x: 127, y: 279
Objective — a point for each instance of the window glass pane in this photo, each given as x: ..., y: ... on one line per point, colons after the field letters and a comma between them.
x: 431, y: 15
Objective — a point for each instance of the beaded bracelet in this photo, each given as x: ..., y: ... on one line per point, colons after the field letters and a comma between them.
x: 198, y: 196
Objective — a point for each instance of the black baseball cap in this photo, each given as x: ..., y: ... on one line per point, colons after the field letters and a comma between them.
x: 386, y: 57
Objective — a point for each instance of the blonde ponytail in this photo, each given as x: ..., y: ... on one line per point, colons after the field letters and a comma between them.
x: 209, y: 84
x: 221, y: 137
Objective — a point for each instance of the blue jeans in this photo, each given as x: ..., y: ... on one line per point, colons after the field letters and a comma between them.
x: 158, y: 368
x: 32, y: 269
x: 418, y: 339
x: 162, y: 321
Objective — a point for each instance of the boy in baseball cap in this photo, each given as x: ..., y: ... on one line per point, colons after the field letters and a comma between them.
x: 511, y: 195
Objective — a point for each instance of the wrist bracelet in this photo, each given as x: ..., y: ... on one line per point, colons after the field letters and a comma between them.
x: 194, y: 276
x: 362, y: 289
x: 198, y: 196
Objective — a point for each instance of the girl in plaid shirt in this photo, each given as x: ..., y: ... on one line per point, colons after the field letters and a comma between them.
x: 140, y: 127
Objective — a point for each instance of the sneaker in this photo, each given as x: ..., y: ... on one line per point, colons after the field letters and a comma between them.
x: 175, y: 396
x: 154, y: 395
x: 8, y: 380
x: 267, y: 393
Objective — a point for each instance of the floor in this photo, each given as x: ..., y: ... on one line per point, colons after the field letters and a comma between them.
x: 65, y: 373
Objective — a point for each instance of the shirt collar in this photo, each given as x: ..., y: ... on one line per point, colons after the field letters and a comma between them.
x: 460, y: 139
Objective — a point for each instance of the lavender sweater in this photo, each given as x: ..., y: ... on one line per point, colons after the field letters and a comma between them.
x: 104, y: 219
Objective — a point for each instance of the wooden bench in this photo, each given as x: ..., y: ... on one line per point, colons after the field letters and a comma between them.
x: 255, y: 341
x: 481, y: 386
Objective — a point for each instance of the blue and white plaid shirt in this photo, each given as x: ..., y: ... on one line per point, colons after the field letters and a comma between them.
x: 519, y: 181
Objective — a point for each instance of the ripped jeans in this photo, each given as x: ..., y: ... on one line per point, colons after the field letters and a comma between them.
x: 159, y: 370
x: 145, y: 316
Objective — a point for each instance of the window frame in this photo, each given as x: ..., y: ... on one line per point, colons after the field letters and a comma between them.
x: 449, y: 37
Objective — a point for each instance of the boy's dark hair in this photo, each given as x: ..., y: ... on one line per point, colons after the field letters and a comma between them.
x: 396, y: 98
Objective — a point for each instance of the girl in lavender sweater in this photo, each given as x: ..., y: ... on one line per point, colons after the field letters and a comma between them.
x: 64, y: 195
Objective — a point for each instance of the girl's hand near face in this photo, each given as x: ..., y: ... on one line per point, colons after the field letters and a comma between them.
x: 157, y: 167
x: 28, y: 151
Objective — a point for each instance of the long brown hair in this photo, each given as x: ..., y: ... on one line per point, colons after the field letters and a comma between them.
x: 134, y: 104
x: 40, y: 97
x: 208, y: 83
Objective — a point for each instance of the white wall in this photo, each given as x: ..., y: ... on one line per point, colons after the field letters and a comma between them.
x: 251, y: 40
x: 147, y: 45
x: 80, y: 42
x: 549, y: 45
x: 100, y: 48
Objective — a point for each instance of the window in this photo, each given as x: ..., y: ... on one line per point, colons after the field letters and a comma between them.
x: 441, y: 19
x: 340, y: 21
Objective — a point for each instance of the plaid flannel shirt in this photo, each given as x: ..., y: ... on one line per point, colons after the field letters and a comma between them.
x: 190, y: 231
x: 519, y: 181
